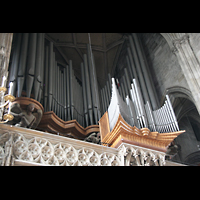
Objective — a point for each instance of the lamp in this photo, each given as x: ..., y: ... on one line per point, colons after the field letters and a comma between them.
x: 6, y: 100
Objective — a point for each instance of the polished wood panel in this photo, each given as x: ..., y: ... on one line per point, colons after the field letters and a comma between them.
x: 52, y: 123
x: 123, y: 132
x: 104, y: 125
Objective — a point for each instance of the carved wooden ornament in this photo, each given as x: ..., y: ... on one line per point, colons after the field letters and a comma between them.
x: 123, y: 132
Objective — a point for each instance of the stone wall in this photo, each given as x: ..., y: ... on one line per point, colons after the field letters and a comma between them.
x: 195, y: 43
x: 164, y: 67
x: 166, y: 72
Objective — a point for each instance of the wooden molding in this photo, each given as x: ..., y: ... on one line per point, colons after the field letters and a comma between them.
x: 52, y: 123
x: 124, y: 133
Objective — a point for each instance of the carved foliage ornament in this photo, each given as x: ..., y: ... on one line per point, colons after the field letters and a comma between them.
x: 141, y: 157
x: 40, y: 150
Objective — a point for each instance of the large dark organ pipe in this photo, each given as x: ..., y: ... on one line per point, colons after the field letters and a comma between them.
x: 134, y: 72
x: 106, y: 95
x: 40, y: 99
x: 128, y: 83
x: 123, y: 91
x: 50, y: 82
x: 148, y: 70
x: 76, y: 99
x: 110, y: 82
x: 138, y: 67
x: 59, y: 90
x: 92, y: 85
x: 105, y: 99
x: 22, y: 64
x: 62, y: 96
x: 96, y: 88
x: 120, y: 91
x: 38, y: 65
x: 80, y: 105
x: 108, y: 91
x: 125, y: 86
x: 71, y: 89
x: 144, y: 69
x: 102, y: 101
x: 88, y: 91
x: 74, y: 86
x: 31, y: 63
x: 55, y: 95
x: 84, y: 95
x: 46, y: 78
x: 68, y: 94
x: 53, y: 86
x: 131, y: 76
x: 65, y: 94
x: 15, y: 63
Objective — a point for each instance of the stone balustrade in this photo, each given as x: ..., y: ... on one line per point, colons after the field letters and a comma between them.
x: 21, y: 146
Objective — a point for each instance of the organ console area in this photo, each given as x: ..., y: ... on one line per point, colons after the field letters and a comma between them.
x: 75, y: 106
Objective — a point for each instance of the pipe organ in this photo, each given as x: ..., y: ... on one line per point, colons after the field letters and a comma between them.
x: 136, y: 113
x: 35, y: 73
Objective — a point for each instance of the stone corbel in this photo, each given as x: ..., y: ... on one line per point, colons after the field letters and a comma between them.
x: 154, y: 158
x: 8, y: 159
x: 121, y: 154
x: 136, y: 156
x: 143, y: 157
x: 161, y: 160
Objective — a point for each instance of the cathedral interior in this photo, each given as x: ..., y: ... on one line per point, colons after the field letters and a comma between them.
x: 112, y: 57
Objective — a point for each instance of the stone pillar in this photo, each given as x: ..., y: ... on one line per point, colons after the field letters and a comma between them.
x: 188, y: 62
x: 5, y: 49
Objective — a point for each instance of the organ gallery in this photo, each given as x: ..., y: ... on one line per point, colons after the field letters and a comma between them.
x: 95, y: 94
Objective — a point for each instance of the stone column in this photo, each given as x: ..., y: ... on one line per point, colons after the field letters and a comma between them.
x: 5, y: 49
x: 189, y: 64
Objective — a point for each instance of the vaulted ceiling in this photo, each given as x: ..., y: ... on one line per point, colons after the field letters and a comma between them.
x: 106, y: 48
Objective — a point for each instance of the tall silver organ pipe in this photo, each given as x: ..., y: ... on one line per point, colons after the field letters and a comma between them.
x: 133, y: 111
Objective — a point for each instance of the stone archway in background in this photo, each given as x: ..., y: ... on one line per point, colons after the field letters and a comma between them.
x: 188, y: 119
x: 179, y: 44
